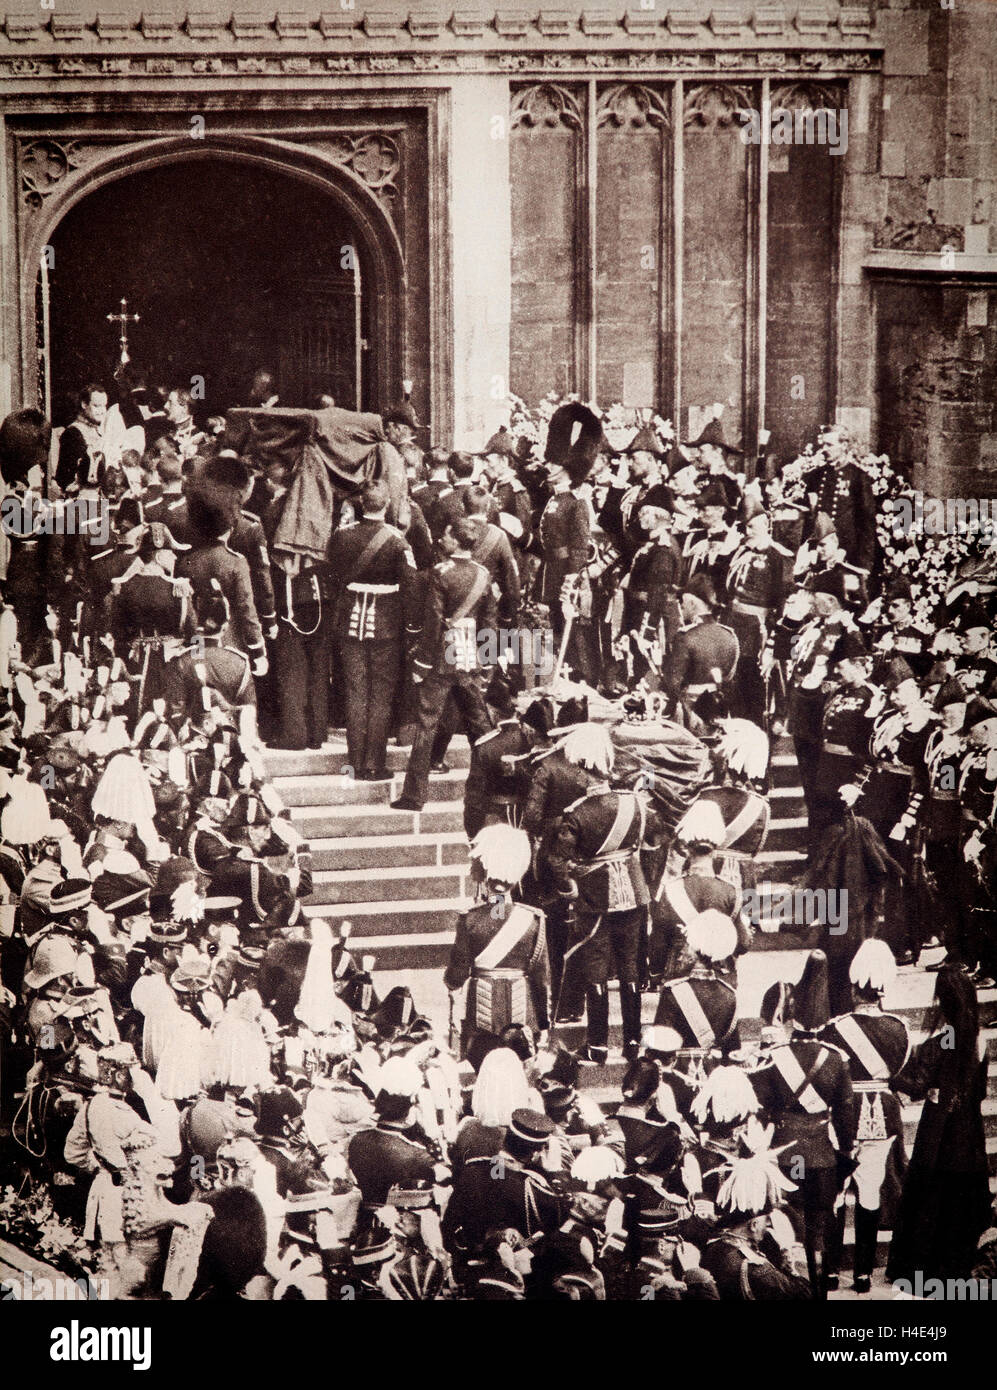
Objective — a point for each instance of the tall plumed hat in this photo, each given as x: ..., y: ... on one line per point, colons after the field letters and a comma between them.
x: 575, y: 449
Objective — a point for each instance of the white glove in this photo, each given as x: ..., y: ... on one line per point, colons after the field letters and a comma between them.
x: 260, y: 666
x: 850, y: 793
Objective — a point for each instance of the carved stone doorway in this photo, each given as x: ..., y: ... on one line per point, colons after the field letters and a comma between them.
x: 232, y: 268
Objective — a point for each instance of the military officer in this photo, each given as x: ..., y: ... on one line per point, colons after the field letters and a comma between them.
x: 876, y: 1045
x: 842, y: 490
x: 804, y: 1086
x: 756, y: 582
x: 704, y: 655
x: 372, y: 574
x: 460, y: 605
x: 500, y: 948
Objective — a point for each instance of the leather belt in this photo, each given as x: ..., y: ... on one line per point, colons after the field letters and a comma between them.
x: 699, y: 689
x: 359, y: 588
x: 754, y: 610
x: 499, y: 972
x: 943, y: 796
x: 902, y: 769
x: 840, y: 750
x: 870, y: 1087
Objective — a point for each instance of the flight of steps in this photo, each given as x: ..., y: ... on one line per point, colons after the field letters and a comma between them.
x: 401, y: 878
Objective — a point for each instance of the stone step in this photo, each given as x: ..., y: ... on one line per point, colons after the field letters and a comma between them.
x: 344, y: 791
x: 321, y: 821
x: 328, y: 761
x: 363, y: 852
x: 398, y: 884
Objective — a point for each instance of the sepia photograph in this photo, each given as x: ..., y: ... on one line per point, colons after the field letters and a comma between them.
x: 498, y: 667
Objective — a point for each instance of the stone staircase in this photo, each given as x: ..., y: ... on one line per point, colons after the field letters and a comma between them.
x: 401, y: 877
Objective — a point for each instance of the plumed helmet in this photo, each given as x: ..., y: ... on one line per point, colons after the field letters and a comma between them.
x: 702, y: 824
x: 744, y: 747
x: 575, y: 453
x: 503, y: 851
x: 712, y: 935
x: 755, y: 1184
x: 123, y: 792
x: 25, y: 819
x: 590, y: 746
x: 873, y: 966
x: 725, y: 1097
x: 596, y: 1164
x: 501, y: 443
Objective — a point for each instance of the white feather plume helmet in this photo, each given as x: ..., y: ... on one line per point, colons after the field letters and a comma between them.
x: 399, y: 1076
x: 503, y: 852
x: 702, y: 823
x: 596, y: 1164
x: 123, y: 792
x: 873, y: 966
x: 744, y: 747
x: 712, y: 935
x: 589, y: 745
x: 25, y: 819
x: 726, y: 1096
x: 755, y: 1184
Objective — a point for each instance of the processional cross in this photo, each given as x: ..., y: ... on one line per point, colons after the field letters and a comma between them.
x: 123, y: 319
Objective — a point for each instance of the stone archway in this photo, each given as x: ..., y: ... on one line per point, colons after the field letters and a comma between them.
x: 81, y: 170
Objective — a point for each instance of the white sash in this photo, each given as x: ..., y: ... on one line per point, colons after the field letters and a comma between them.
x: 788, y: 1067
x: 692, y: 1011
x: 509, y: 935
x: 861, y: 1045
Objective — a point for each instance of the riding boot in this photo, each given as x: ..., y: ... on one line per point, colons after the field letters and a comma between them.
x: 866, y: 1234
x: 630, y: 1009
x: 597, y: 1016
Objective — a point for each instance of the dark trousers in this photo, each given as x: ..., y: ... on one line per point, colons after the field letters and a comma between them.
x: 370, y: 673
x: 467, y: 688
x: 302, y: 661
x: 748, y: 690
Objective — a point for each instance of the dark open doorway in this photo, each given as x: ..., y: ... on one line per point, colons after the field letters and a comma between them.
x: 231, y: 269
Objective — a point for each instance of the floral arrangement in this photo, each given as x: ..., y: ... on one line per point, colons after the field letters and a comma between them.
x: 29, y: 1221
x: 929, y: 560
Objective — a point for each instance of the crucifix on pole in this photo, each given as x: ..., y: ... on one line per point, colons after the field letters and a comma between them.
x: 123, y: 319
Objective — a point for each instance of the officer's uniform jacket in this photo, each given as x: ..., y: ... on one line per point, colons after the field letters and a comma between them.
x: 494, y: 551
x: 746, y: 816
x: 803, y: 1087
x: 710, y: 553
x: 701, y: 1007
x: 598, y: 845
x: 846, y: 725
x: 810, y: 669
x: 387, y: 1157
x: 742, y: 1274
x: 845, y: 494
x: 941, y: 810
x: 698, y: 650
x: 440, y: 504
x: 372, y: 573
x: 459, y: 604
x: 495, y: 788
x: 218, y: 561
x: 877, y: 1046
x: 501, y: 947
x: 517, y: 1196
x: 564, y: 535
x: 513, y: 500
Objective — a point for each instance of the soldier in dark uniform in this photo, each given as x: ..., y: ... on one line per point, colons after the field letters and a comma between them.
x: 804, y: 1085
x: 151, y: 613
x: 372, y: 572
x: 207, y: 666
x: 620, y: 512
x: 507, y: 1189
x: 704, y: 654
x: 651, y: 608
x: 976, y: 667
x: 498, y: 777
x: 556, y: 782
x: 500, y: 947
x: 898, y: 636
x: 756, y: 583
x: 821, y: 555
x: 843, y: 491
x: 846, y: 727
x: 595, y: 862
x: 700, y: 1004
x: 510, y: 496
x: 891, y: 787
x: 81, y: 447
x: 436, y: 496
x: 877, y: 1045
x: 229, y: 473
x: 711, y: 540
x: 734, y: 1256
x: 564, y: 531
x: 459, y: 606
x: 211, y: 557
x: 941, y: 815
x: 978, y: 872
x: 808, y: 679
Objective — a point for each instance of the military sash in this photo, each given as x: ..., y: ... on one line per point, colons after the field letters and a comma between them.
x: 861, y: 1045
x: 692, y: 1012
x: 787, y: 1065
x: 509, y: 935
x: 742, y: 822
